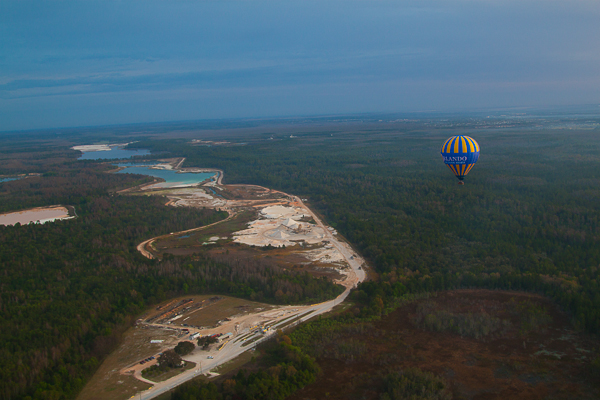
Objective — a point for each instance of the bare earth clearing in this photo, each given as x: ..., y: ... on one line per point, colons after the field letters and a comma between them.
x: 38, y: 215
x: 258, y: 218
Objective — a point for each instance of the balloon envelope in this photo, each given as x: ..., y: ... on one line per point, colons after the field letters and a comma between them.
x: 460, y: 153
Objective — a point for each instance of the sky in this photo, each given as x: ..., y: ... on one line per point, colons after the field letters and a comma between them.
x: 84, y: 63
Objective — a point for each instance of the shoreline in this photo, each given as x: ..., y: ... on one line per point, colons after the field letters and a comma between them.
x: 174, y: 165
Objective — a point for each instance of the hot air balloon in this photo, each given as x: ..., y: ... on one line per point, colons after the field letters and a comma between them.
x: 460, y: 153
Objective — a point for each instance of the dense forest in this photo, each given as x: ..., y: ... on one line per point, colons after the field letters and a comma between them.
x: 70, y: 288
x: 527, y: 219
x: 287, y: 368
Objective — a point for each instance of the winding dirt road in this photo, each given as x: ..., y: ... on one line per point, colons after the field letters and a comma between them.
x: 278, y: 318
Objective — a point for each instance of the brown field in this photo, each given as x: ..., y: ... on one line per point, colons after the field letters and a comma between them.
x: 287, y: 258
x: 248, y: 192
x: 549, y: 361
x: 109, y: 383
x: 214, y: 309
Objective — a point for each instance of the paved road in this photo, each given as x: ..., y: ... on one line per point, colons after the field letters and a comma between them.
x: 234, y: 347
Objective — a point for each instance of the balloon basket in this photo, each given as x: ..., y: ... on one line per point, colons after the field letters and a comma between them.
x: 461, y: 183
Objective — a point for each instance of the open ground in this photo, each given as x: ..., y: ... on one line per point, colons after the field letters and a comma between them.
x: 38, y: 215
x: 262, y: 223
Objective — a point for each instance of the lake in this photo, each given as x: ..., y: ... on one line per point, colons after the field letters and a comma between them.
x: 172, y: 178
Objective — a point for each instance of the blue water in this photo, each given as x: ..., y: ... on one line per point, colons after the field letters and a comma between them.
x: 172, y: 178
x: 114, y: 154
x: 8, y: 179
x: 184, y: 236
x: 213, y: 190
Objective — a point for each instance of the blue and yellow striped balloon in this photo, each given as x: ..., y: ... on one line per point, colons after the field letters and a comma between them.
x: 460, y: 153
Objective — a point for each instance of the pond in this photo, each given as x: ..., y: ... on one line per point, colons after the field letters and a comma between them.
x: 108, y: 152
x: 9, y: 179
x: 172, y: 178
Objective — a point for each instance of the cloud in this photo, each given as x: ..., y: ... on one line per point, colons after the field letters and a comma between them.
x: 273, y: 57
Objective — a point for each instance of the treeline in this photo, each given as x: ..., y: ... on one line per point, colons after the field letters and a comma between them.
x: 70, y: 288
x: 290, y: 370
x: 528, y: 217
x: 412, y: 383
x: 70, y: 183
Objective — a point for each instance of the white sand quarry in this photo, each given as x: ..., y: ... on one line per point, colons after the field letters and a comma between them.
x: 280, y: 226
x: 38, y: 215
x: 194, y: 197
x: 279, y: 212
x: 98, y: 147
x: 327, y: 254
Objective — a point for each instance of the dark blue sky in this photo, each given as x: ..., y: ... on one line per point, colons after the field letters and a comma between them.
x: 72, y: 63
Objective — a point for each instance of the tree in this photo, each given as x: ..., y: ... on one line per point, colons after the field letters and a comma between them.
x: 184, y: 348
x: 170, y: 359
x: 206, y: 341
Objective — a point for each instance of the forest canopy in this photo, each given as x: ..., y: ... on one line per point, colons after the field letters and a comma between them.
x: 528, y: 219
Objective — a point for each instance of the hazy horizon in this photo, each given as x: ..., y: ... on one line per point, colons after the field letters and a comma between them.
x: 583, y: 115
x: 75, y: 64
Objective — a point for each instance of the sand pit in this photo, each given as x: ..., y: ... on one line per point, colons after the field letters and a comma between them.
x: 92, y: 147
x: 39, y: 215
x: 277, y: 231
x: 194, y: 197
x: 279, y: 226
x: 98, y: 147
x: 325, y: 255
x: 282, y: 212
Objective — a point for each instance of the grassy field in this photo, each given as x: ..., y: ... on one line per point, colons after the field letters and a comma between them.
x: 107, y: 382
x: 163, y: 376
x: 193, y: 242
x: 221, y: 309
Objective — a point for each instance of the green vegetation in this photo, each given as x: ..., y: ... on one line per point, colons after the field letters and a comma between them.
x: 474, y: 325
x: 325, y: 337
x: 184, y: 348
x: 69, y: 289
x: 291, y: 370
x: 533, y: 317
x: 170, y: 359
x: 159, y: 373
x: 415, y: 384
x: 527, y: 219
x: 169, y: 364
x: 206, y: 341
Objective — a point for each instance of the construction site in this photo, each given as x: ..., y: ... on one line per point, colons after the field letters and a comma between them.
x: 263, y: 224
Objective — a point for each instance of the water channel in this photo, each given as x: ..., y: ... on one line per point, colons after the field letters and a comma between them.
x: 172, y: 178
